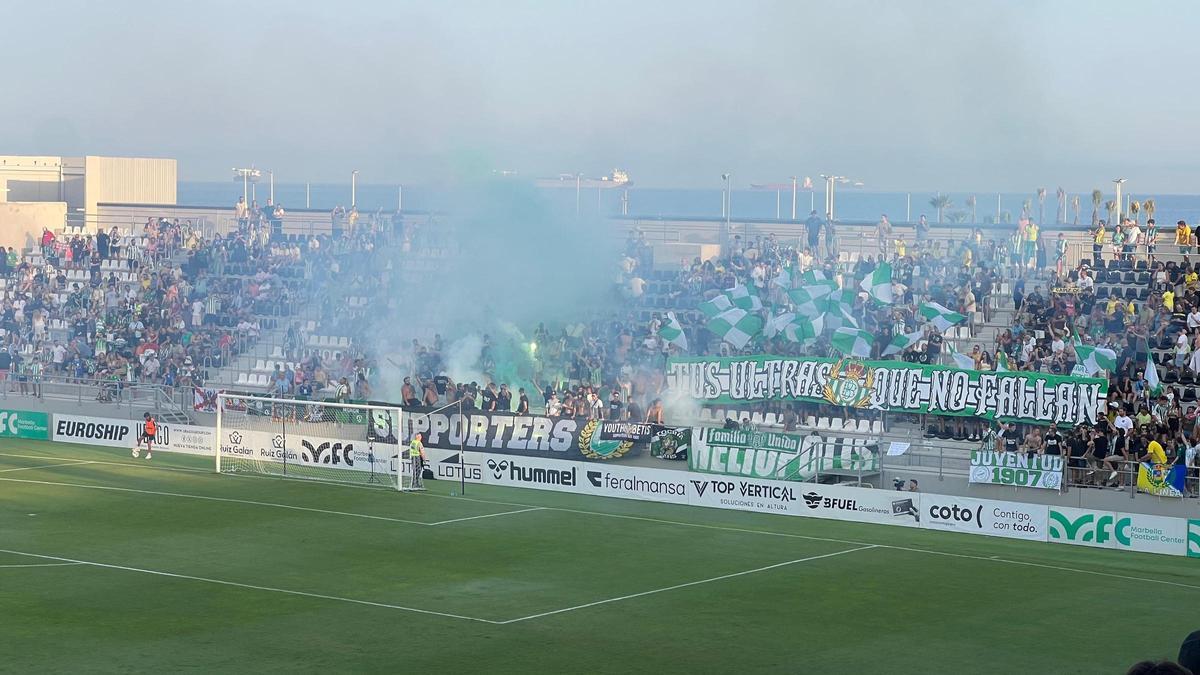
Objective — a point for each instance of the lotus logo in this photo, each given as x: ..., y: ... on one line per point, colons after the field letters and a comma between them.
x: 235, y: 438
x: 498, y: 468
x: 812, y: 500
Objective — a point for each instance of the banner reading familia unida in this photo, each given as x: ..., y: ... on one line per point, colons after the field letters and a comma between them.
x: 896, y: 386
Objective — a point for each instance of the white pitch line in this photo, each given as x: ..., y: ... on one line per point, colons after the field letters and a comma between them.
x: 62, y: 564
x: 214, y: 499
x: 487, y: 515
x: 138, y: 465
x: 46, y: 466
x: 690, y: 583
x: 236, y: 584
x: 834, y: 540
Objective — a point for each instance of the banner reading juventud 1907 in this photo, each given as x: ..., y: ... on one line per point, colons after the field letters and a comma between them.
x: 895, y: 386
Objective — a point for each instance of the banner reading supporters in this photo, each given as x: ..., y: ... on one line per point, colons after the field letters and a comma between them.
x: 760, y: 454
x: 24, y: 424
x: 891, y: 385
x: 1016, y: 468
x: 573, y: 438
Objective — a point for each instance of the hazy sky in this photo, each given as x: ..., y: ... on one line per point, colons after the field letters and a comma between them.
x: 956, y: 95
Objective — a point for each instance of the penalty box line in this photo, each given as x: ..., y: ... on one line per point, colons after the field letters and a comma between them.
x: 236, y: 584
x: 686, y: 585
x: 250, y: 502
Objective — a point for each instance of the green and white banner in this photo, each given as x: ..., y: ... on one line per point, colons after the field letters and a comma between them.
x: 1016, y: 468
x: 1122, y: 531
x: 1193, y: 539
x: 762, y: 454
x: 24, y: 424
x: 895, y: 386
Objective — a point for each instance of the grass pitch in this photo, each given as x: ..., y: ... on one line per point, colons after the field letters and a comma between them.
x: 121, y: 565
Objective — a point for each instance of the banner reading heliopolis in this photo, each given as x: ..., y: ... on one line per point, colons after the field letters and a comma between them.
x: 891, y: 385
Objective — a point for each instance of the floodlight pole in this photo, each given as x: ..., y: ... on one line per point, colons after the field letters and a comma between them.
x: 462, y: 439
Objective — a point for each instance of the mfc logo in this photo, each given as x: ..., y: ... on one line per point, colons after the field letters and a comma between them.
x: 1089, y: 528
x: 8, y: 421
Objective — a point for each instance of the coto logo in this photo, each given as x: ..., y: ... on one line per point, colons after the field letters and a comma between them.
x: 956, y: 513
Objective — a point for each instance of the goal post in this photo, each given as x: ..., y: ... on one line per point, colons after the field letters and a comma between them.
x: 313, y: 440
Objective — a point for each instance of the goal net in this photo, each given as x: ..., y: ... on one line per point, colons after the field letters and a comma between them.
x: 333, y: 442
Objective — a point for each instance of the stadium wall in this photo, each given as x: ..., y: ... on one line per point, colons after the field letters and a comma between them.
x: 1028, y: 520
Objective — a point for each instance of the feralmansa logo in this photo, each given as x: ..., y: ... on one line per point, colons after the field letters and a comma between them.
x: 1087, y: 528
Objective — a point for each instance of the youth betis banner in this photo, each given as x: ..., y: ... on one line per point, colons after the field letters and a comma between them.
x: 759, y: 454
x: 896, y: 386
x: 1012, y: 468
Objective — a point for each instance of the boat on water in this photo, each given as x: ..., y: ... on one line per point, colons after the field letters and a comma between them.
x: 617, y: 179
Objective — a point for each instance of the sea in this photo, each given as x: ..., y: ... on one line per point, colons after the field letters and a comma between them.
x: 851, y: 204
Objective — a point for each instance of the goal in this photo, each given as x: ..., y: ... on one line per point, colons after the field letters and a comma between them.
x: 332, y: 442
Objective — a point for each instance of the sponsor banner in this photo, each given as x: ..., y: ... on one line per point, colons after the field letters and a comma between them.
x: 984, y: 516
x: 184, y: 438
x: 533, y: 472
x: 1123, y: 531
x: 1164, y: 480
x: 746, y: 495
x: 24, y: 424
x: 308, y: 450
x: 863, y: 505
x: 635, y: 482
x: 671, y: 443
x: 896, y: 386
x: 1193, y: 539
x: 569, y: 438
x: 759, y: 454
x: 450, y: 465
x: 1016, y: 468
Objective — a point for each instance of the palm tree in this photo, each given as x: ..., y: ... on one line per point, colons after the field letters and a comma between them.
x: 956, y: 216
x: 1041, y: 196
x: 941, y: 202
x: 971, y: 205
x: 1075, y: 207
x: 1110, y: 208
x: 1148, y: 206
x: 1097, y: 199
x: 1135, y: 207
x: 1061, y: 214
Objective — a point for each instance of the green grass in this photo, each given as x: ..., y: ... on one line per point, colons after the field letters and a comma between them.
x: 900, y: 606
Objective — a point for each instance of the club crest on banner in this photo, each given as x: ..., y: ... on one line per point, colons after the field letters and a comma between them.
x: 849, y: 384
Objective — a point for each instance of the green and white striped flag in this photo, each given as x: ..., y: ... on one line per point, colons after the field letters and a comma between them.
x: 719, y: 304
x: 1095, y: 359
x: 901, y: 342
x: 745, y: 297
x: 1002, y: 364
x: 852, y: 342
x: 810, y: 299
x: 736, y: 326
x: 802, y: 329
x: 838, y: 315
x: 1151, y: 377
x: 775, y: 325
x: 940, y: 316
x: 878, y: 283
x: 672, y: 332
x: 960, y: 360
x: 784, y: 278
x: 813, y: 276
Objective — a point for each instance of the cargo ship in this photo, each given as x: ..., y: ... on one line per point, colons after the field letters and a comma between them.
x: 617, y: 179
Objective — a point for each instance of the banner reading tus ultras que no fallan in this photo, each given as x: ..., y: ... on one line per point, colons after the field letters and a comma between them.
x: 896, y: 386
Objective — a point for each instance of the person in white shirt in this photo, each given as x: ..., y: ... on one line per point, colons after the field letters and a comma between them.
x: 1193, y: 319
x: 1181, y: 348
x: 1058, y: 345
x: 1123, y: 422
x: 1086, y: 281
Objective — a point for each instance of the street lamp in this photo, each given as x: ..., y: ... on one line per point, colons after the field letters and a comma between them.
x: 1120, y: 207
x: 728, y: 198
x: 247, y: 176
x: 399, y: 199
x: 794, y: 179
x: 271, y: 199
x: 578, y: 178
x: 830, y: 191
x: 354, y: 188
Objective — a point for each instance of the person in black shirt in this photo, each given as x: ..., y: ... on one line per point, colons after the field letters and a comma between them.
x: 615, y: 406
x: 1079, y: 444
x: 1009, y: 438
x: 1053, y: 441
x: 504, y: 399
x: 522, y: 402
x: 633, y: 411
x: 440, y: 383
x: 488, y: 398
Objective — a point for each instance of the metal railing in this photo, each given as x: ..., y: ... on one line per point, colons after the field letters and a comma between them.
x: 130, y: 396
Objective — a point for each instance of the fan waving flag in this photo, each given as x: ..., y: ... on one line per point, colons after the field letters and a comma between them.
x: 940, y: 316
x: 902, y: 342
x: 1151, y: 377
x: 744, y: 297
x: 715, y: 306
x: 804, y: 330
x: 853, y: 342
x: 964, y: 361
x: 1095, y: 359
x: 777, y: 323
x: 672, y: 332
x: 1002, y: 364
x: 878, y: 283
x: 736, y: 326
x: 783, y: 279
